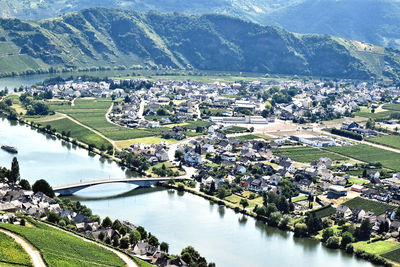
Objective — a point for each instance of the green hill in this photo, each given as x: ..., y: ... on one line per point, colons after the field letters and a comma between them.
x: 114, y: 38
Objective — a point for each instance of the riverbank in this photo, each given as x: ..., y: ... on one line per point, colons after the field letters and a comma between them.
x: 374, y: 258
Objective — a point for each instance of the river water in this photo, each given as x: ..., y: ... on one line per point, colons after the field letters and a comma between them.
x: 181, y: 219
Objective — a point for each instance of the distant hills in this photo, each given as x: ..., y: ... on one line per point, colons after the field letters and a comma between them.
x: 101, y: 37
x: 372, y: 21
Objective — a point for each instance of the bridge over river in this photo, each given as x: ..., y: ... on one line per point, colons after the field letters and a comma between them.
x: 70, y: 189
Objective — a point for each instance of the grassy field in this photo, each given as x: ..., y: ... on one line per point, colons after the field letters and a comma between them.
x: 355, y: 180
x: 62, y: 249
x: 378, y: 247
x: 370, y: 154
x: 12, y: 253
x: 306, y: 154
x: 235, y: 199
x: 387, y: 140
x: 145, y: 140
x: 368, y: 205
x: 366, y: 113
x: 78, y: 132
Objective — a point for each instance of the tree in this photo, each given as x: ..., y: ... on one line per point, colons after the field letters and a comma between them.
x: 327, y: 233
x: 124, y: 243
x: 283, y: 205
x: 333, y: 242
x: 15, y: 176
x: 397, y: 216
x: 300, y: 230
x: 153, y: 241
x: 44, y: 187
x: 101, y: 236
x: 164, y: 247
x: 244, y: 203
x: 25, y: 184
x: 186, y: 258
x: 116, y: 225
x: 115, y: 241
x: 134, y: 237
x: 178, y: 155
x: 108, y: 240
x: 314, y: 224
x: 364, y: 232
x: 284, y: 222
x: 142, y: 231
x: 347, y: 238
x: 106, y: 222
x: 274, y: 218
x: 53, y: 217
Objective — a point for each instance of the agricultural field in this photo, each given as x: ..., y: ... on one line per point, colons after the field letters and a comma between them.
x: 78, y: 132
x: 306, y: 154
x: 377, y: 115
x: 378, y: 247
x: 248, y: 137
x: 62, y: 249
x: 235, y: 129
x: 393, y: 255
x: 91, y: 112
x: 394, y: 107
x: 368, y: 205
x: 324, y: 212
x: 387, y: 140
x: 370, y: 154
x: 12, y: 253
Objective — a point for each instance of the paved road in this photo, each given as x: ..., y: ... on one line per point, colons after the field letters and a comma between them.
x: 33, y: 253
x: 129, y: 262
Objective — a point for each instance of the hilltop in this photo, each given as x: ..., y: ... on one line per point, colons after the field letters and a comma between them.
x: 110, y: 38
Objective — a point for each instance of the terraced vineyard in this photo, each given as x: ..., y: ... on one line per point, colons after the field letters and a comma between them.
x: 62, y: 249
x: 11, y: 253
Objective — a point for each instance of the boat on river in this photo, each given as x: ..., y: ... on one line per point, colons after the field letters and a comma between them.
x: 10, y: 149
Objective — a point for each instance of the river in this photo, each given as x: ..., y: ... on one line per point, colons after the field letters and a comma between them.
x: 181, y: 219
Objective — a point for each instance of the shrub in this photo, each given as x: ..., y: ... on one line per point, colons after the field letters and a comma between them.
x: 333, y: 242
x: 349, y: 248
x: 300, y: 230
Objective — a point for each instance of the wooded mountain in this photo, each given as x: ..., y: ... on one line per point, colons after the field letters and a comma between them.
x: 372, y: 21
x: 110, y: 38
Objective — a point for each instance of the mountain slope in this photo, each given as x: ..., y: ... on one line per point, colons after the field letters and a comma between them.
x: 111, y: 38
x: 372, y: 21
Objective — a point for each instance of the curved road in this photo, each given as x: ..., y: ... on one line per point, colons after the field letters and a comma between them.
x: 33, y: 253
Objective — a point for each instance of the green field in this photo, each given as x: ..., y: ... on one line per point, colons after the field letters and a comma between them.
x: 366, y: 113
x: 91, y: 112
x: 62, y: 249
x: 393, y: 255
x: 251, y: 137
x: 78, y: 132
x: 387, y: 140
x: 370, y: 154
x: 306, y: 154
x: 394, y: 107
x: 378, y: 247
x: 324, y: 211
x: 12, y: 253
x: 355, y: 180
x: 368, y: 205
